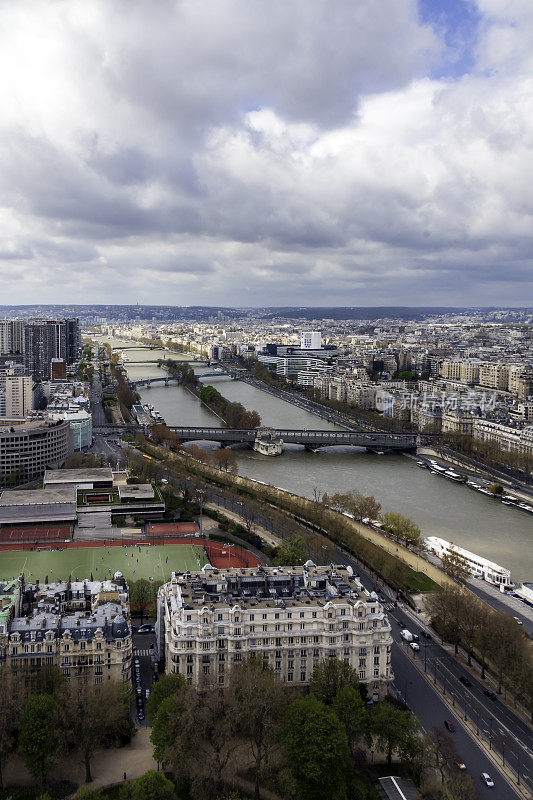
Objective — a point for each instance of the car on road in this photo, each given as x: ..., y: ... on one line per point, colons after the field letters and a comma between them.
x: 449, y: 725
x: 140, y: 714
x: 414, y: 645
x: 518, y: 620
x: 487, y: 780
x: 460, y: 765
x: 147, y: 694
x: 146, y: 628
x: 464, y: 680
x: 426, y: 635
x: 489, y: 694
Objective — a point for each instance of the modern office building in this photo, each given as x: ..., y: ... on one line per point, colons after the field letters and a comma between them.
x: 81, y: 425
x: 81, y: 627
x: 293, y: 618
x: 27, y: 450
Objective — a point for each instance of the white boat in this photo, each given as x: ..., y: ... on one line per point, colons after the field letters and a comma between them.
x: 479, y: 567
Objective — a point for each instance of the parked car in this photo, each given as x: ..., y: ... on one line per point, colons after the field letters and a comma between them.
x: 449, y: 725
x: 487, y: 780
x: 140, y: 702
x: 146, y: 628
x: 147, y: 694
x: 414, y: 645
x: 140, y: 714
x: 426, y: 635
x: 489, y: 694
x: 464, y: 680
x: 518, y: 620
x: 460, y: 765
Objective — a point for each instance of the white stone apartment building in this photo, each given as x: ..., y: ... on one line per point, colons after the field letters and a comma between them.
x: 294, y: 617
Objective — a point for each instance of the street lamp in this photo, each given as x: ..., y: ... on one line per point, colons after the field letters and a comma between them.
x: 229, y: 546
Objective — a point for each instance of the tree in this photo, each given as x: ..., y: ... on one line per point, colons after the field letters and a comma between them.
x: 350, y: 709
x: 150, y: 786
x: 443, y: 752
x: 446, y: 607
x: 496, y: 488
x: 10, y: 713
x: 167, y: 686
x: 291, y: 552
x: 402, y: 528
x: 460, y: 787
x: 96, y: 715
x: 329, y: 677
x: 140, y: 597
x: 318, y: 750
x: 455, y: 565
x: 48, y: 680
x: 195, y: 734
x: 257, y: 703
x: 39, y: 739
x: 367, y: 507
x: 395, y: 731
x: 225, y: 459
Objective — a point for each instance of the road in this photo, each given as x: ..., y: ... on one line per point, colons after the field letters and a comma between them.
x: 518, y: 608
x: 142, y: 644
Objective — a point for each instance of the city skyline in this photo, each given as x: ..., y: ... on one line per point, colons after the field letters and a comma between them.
x: 224, y: 154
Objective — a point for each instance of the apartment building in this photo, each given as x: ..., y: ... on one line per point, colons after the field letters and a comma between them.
x: 514, y: 440
x: 81, y: 627
x: 293, y: 618
x: 494, y: 376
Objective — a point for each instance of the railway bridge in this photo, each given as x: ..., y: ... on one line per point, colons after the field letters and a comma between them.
x: 311, y: 439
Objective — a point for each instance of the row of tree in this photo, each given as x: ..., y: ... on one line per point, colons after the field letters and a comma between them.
x: 486, y: 635
x: 234, y: 414
x: 44, y: 718
x: 362, y: 507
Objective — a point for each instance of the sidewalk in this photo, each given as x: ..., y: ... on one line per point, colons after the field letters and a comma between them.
x: 108, y: 766
x: 268, y: 538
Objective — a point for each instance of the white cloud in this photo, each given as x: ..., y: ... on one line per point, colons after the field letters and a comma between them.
x: 237, y: 151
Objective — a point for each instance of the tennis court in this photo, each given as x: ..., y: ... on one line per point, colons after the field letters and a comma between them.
x: 134, y: 561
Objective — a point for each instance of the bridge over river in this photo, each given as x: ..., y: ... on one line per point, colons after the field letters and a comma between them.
x: 311, y: 439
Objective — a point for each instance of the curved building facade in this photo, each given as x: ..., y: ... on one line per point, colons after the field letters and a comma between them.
x: 27, y: 450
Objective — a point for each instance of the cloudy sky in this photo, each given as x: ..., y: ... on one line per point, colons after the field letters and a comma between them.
x: 266, y: 152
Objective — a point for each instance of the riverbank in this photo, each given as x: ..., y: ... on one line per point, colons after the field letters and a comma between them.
x: 384, y: 555
x: 441, y: 508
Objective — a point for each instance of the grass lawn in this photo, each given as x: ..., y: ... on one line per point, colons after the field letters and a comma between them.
x: 147, y: 561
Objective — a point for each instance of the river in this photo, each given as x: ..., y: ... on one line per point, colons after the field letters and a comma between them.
x: 438, y: 506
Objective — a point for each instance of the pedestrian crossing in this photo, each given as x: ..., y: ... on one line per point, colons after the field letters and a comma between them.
x: 137, y: 653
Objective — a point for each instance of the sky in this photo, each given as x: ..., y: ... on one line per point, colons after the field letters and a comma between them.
x: 288, y: 152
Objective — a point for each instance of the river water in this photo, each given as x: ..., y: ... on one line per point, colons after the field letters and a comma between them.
x: 438, y: 506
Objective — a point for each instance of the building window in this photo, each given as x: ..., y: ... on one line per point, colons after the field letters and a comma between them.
x: 362, y: 675
x: 302, y: 676
x: 237, y: 657
x: 206, y: 669
x: 189, y: 669
x: 314, y: 614
x: 343, y: 612
x: 290, y: 677
x: 252, y: 617
x: 376, y: 673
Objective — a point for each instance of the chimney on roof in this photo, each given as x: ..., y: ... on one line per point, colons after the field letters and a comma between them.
x: 44, y: 621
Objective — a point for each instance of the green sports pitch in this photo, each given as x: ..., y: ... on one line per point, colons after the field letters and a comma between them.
x: 134, y: 561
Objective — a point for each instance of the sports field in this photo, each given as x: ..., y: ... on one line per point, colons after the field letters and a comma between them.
x: 144, y: 561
